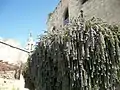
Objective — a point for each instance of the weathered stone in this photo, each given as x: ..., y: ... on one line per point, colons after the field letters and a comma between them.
x: 107, y: 10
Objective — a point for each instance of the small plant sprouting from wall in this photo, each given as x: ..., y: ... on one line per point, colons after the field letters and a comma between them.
x: 85, y: 55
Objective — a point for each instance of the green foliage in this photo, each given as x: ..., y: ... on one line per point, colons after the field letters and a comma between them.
x: 85, y: 55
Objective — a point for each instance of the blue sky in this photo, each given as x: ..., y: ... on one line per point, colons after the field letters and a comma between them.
x: 19, y: 17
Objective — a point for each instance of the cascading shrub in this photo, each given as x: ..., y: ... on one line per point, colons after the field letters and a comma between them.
x: 84, y: 55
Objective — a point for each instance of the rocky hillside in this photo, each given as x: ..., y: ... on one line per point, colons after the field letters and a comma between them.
x: 7, y: 77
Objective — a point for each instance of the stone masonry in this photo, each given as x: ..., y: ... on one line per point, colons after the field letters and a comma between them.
x: 107, y: 10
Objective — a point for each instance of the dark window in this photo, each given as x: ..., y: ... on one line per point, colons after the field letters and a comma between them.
x: 66, y: 16
x: 83, y: 1
x: 53, y: 29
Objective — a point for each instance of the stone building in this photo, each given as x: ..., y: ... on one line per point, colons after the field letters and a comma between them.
x: 107, y: 10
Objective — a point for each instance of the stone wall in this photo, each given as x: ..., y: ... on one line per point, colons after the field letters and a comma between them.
x: 56, y: 18
x: 108, y: 10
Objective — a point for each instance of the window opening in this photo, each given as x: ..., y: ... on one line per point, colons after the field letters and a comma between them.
x: 83, y: 1
x: 66, y: 17
x: 53, y: 29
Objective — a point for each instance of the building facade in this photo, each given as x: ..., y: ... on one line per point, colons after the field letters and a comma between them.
x: 107, y: 10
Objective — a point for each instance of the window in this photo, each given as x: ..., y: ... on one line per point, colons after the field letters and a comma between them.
x: 66, y: 16
x: 53, y: 29
x: 83, y: 1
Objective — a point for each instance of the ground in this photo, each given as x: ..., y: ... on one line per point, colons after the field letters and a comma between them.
x: 12, y: 84
x: 7, y: 79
